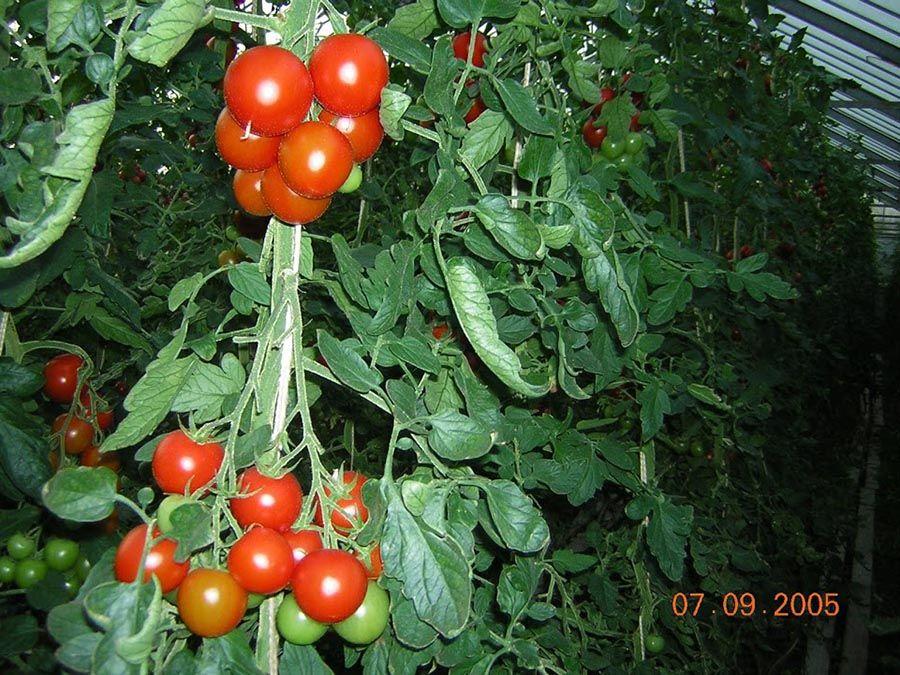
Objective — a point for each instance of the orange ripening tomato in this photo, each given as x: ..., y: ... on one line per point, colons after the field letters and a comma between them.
x: 315, y: 160
x: 247, y: 187
x: 289, y: 207
x: 242, y: 150
x: 364, y: 133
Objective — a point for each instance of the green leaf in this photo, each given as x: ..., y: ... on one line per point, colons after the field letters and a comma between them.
x: 66, y: 621
x: 410, y: 50
x: 569, y: 562
x: 399, y: 289
x: 209, y: 386
x: 603, y: 274
x: 473, y: 310
x: 655, y: 406
x: 669, y: 300
x: 20, y: 633
x: 417, y: 20
x: 170, y: 28
x: 114, y: 329
x: 248, y: 280
x: 439, y: 83
x: 537, y: 158
x: 351, y: 272
x: 82, y: 494
x: 667, y: 534
x: 431, y: 567
x: 486, y: 137
x: 521, y: 105
x: 184, y: 289
x: 151, y: 399
x: 456, y: 437
x: 17, y: 380
x: 78, y: 653
x: 60, y: 15
x: 511, y: 228
x: 191, y: 528
x: 23, y: 454
x: 707, y: 395
x: 464, y: 13
x: 393, y: 106
x: 85, y: 128
x: 302, y: 659
x: 20, y: 519
x: 346, y: 364
x: 415, y: 352
x: 19, y: 85
x: 519, y: 523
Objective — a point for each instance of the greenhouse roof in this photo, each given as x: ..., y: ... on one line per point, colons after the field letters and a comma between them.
x: 857, y: 40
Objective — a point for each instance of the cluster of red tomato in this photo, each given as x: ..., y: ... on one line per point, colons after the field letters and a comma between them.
x: 76, y: 429
x: 329, y: 586
x: 618, y: 150
x: 744, y: 251
x: 461, y: 52
x: 287, y: 166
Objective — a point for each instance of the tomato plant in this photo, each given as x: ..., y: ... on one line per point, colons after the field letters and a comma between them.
x: 244, y: 150
x: 77, y: 434
x: 248, y: 192
x: 288, y: 206
x: 364, y: 132
x: 348, y: 511
x: 303, y: 542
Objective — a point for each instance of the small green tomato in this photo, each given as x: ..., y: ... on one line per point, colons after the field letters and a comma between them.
x: 354, y: 180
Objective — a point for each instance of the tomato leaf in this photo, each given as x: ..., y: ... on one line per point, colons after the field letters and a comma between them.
x: 655, y: 405
x: 473, y: 310
x: 511, y: 228
x: 346, y: 364
x: 411, y: 51
x: 302, y: 659
x: 521, y: 105
x: 170, y: 28
x: 431, y: 567
x: 394, y: 104
x: 78, y: 652
x: 518, y: 522
x: 464, y: 13
x: 20, y: 633
x: 456, y: 437
x: 417, y: 20
x: 82, y: 494
x: 247, y: 279
x: 667, y: 534
x: 486, y: 137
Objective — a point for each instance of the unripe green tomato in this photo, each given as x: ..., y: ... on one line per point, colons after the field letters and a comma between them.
x: 19, y: 546
x: 354, y: 180
x: 612, y: 149
x: 655, y: 643
x: 7, y: 569
x: 634, y: 143
x: 231, y: 233
x: 254, y: 600
x: 82, y: 568
x: 61, y: 554
x: 627, y: 425
x: 29, y: 572
x: 165, y: 509
x: 369, y: 620
x: 294, y: 626
x: 509, y: 152
x: 71, y: 585
x: 623, y: 162
x: 697, y: 449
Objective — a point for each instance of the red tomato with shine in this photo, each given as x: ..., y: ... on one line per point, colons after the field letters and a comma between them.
x: 287, y: 205
x: 160, y: 560
x: 261, y: 561
x: 348, y: 72
x: 364, y: 133
x: 244, y: 151
x: 211, y: 602
x: 180, y: 463
x: 248, y: 192
x: 270, y: 502
x: 303, y: 542
x: 270, y: 88
x: 315, y: 160
x: 461, y: 48
x: 349, y: 510
x: 329, y: 585
x: 592, y: 134
x: 61, y: 377
x: 78, y: 435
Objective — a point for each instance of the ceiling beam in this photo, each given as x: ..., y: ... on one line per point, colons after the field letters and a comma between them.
x: 866, y: 130
x: 873, y: 157
x: 840, y: 29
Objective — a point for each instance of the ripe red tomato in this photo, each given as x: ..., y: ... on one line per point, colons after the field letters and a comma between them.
x: 248, y: 192
x: 261, y: 561
x: 439, y: 331
x: 104, y: 417
x: 376, y: 565
x: 94, y: 458
x: 303, y: 542
x: 635, y: 124
x: 274, y: 502
x: 287, y: 205
x: 364, y: 133
x: 746, y: 251
x: 606, y: 94
x: 348, y: 71
x: 592, y: 134
x: 253, y: 153
x: 79, y: 434
x: 475, y: 111
x: 179, y: 463
x: 329, y: 585
x: 461, y: 48
x: 160, y: 560
x: 270, y: 88
x: 315, y: 160
x: 349, y: 510
x: 211, y: 603
x: 61, y: 377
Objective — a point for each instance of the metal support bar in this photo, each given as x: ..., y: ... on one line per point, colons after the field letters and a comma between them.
x: 866, y: 130
x: 840, y: 29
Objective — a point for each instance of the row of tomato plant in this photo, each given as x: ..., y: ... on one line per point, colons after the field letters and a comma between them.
x: 514, y: 392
